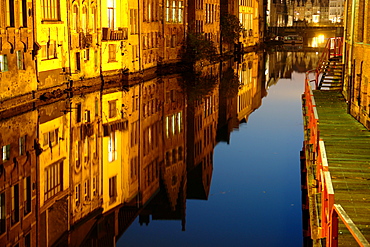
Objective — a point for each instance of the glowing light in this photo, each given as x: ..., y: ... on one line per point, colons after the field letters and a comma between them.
x: 321, y: 38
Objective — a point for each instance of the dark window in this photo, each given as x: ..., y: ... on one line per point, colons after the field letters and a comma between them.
x: 27, y: 240
x: 27, y: 195
x: 78, y: 61
x: 15, y: 204
x: 112, y: 189
x: 77, y: 194
x: 10, y: 13
x: 24, y: 13
x: 78, y: 113
x: 2, y: 213
x: 112, y: 108
x: 22, y: 145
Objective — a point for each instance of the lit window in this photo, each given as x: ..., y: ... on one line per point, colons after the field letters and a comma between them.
x: 111, y: 12
x: 84, y: 19
x: 50, y: 10
x: 53, y: 176
x: 174, y: 11
x: 75, y: 18
x: 168, y: 11
x: 112, y: 147
x: 20, y: 60
x: 3, y: 63
x: 181, y: 12
x: 6, y: 152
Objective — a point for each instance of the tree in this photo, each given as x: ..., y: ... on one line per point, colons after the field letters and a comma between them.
x: 229, y: 85
x: 198, y: 48
x: 230, y: 28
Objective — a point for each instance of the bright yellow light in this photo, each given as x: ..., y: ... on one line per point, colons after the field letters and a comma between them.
x: 321, y: 38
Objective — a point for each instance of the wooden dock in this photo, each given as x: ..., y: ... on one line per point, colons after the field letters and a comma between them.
x: 347, y: 144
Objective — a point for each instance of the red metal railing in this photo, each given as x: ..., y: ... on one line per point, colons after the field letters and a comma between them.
x: 316, y: 162
x: 333, y: 48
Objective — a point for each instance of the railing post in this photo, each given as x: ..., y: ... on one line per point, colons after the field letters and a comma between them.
x: 332, y: 240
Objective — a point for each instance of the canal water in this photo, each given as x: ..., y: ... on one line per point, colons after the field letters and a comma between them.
x: 254, y: 197
x: 178, y: 159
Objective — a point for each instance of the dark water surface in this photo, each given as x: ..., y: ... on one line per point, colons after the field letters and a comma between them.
x: 255, y: 196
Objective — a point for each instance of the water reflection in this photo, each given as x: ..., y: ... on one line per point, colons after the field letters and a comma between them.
x: 80, y: 170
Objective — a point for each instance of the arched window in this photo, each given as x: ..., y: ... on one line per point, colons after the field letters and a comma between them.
x: 84, y: 23
x: 93, y: 19
x: 75, y: 18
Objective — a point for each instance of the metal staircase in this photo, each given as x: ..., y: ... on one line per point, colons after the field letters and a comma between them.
x: 329, y: 71
x: 332, y: 75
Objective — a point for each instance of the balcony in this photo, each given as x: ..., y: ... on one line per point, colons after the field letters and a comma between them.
x: 109, y: 34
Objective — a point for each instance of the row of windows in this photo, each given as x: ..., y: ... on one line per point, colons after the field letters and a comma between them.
x: 19, y: 58
x: 248, y: 3
x: 53, y: 176
x: 12, y: 11
x: 150, y: 40
x: 16, y: 199
x: 174, y: 11
x: 86, y: 148
x: 88, y: 192
x: 151, y: 136
x: 211, y: 10
x: 150, y: 10
x: 88, y: 18
x: 6, y: 149
x: 172, y: 157
x: 198, y: 4
x: 151, y: 173
x: 173, y: 124
x: 208, y: 135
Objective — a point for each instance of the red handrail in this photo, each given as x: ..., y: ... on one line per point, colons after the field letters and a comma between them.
x: 333, y: 48
x: 316, y: 158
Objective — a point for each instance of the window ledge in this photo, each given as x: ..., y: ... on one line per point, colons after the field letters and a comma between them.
x: 52, y: 22
x: 48, y: 59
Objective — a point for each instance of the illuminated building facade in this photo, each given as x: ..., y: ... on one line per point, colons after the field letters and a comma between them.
x: 17, y: 68
x: 249, y: 18
x: 356, y: 74
x: 53, y: 172
x: 18, y: 193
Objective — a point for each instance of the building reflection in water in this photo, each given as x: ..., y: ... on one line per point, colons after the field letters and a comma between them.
x: 91, y: 162
x: 282, y: 64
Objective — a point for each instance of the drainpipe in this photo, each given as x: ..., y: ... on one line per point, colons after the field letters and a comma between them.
x: 350, y: 55
x: 139, y: 34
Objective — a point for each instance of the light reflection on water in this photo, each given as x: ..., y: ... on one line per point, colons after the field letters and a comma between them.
x: 207, y: 159
x: 255, y: 196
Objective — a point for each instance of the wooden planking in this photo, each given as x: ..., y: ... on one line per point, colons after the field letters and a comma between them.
x: 347, y: 145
